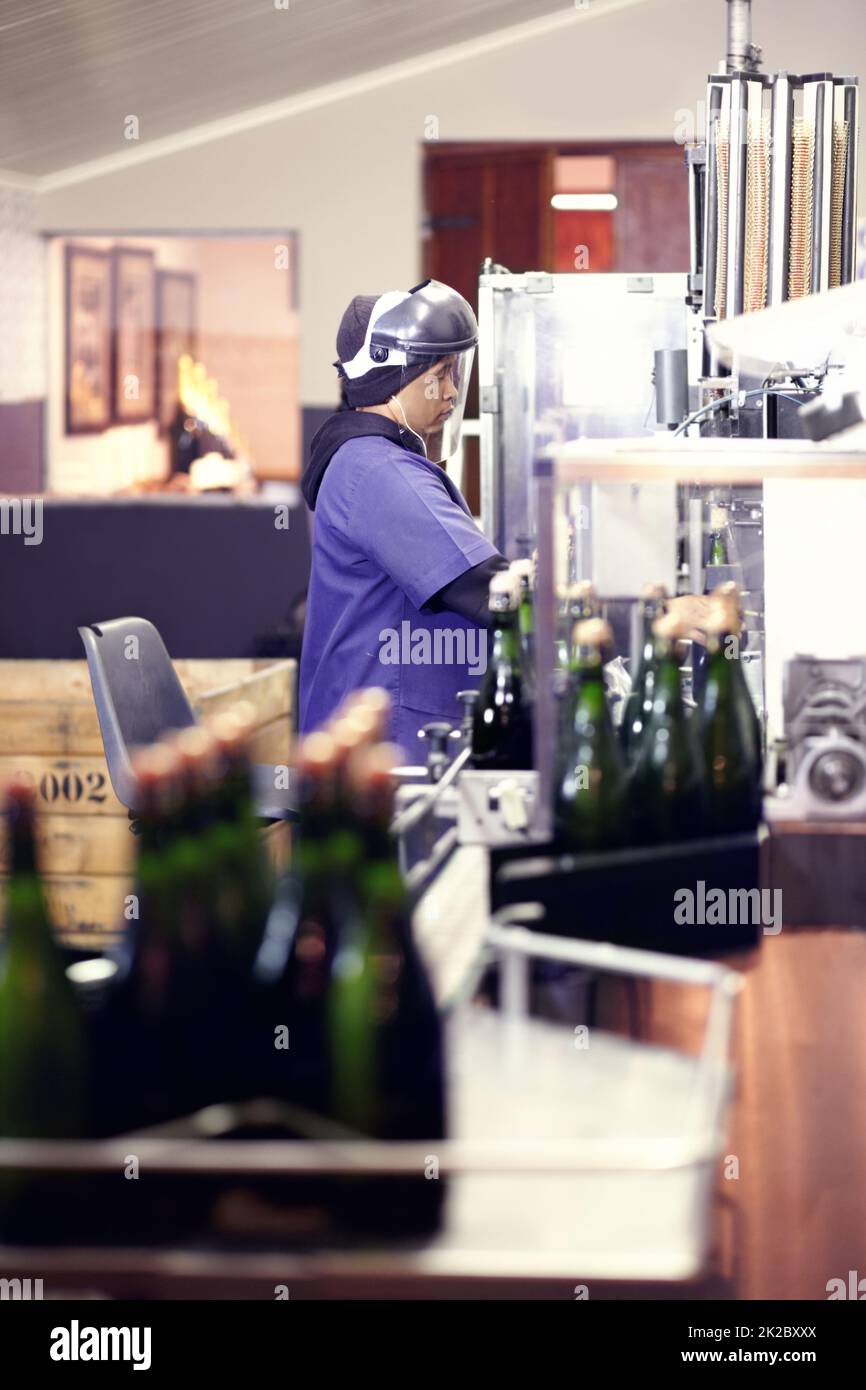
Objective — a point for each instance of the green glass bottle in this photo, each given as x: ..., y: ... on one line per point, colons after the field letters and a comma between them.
x: 577, y: 603
x: 293, y: 965
x: 43, y: 1080
x: 384, y: 1030
x: 730, y: 732
x: 667, y: 791
x: 561, y: 630
x: 718, y: 526
x: 189, y: 853
x: 523, y: 570
x: 652, y: 605
x: 312, y: 904
x: 241, y: 876
x: 178, y: 982
x: 138, y: 1075
x: 502, y: 724
x: 151, y: 927
x: 210, y: 977
x: 590, y: 803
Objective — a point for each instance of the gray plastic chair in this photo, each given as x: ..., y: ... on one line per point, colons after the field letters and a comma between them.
x: 139, y: 699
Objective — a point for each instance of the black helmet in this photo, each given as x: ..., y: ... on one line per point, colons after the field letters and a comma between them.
x: 387, y: 342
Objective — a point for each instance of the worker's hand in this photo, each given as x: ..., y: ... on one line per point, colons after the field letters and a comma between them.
x: 692, y: 611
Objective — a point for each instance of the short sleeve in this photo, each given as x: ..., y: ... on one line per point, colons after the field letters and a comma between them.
x: 405, y: 521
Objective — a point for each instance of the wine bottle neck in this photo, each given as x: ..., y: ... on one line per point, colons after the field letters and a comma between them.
x: 591, y: 697
x: 28, y: 927
x: 526, y: 613
x: 22, y: 843
x: 506, y: 638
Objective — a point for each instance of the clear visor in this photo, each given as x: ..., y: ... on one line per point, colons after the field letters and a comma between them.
x: 433, y: 402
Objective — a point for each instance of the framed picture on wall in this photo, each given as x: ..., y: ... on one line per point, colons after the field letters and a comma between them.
x: 87, y: 371
x: 133, y: 337
x: 175, y: 335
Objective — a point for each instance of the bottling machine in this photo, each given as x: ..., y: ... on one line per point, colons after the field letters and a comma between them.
x: 662, y: 427
x: 773, y: 211
x: 577, y: 357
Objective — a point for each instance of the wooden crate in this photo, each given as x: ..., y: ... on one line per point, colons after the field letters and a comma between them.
x: 49, y: 732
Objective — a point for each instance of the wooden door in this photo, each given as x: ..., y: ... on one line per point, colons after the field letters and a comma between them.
x: 481, y: 203
x: 652, y: 218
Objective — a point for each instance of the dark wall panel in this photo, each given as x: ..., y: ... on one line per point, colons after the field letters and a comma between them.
x: 215, y: 575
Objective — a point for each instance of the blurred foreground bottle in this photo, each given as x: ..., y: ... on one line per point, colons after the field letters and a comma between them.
x: 143, y: 1067
x: 241, y: 877
x: 590, y: 805
x: 667, y: 778
x: 502, y: 727
x: 45, y: 1090
x: 209, y: 984
x: 730, y: 731
x: 652, y: 605
x: 384, y: 1031
x: 293, y: 965
x: 188, y: 857
x: 43, y: 1083
x: 345, y: 1005
x: 177, y: 1011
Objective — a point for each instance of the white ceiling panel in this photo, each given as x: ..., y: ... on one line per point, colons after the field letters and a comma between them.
x: 71, y: 71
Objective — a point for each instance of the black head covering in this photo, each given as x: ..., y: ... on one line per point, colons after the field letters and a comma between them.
x: 380, y: 383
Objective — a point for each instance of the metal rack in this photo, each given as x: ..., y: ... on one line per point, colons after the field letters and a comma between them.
x: 615, y: 1182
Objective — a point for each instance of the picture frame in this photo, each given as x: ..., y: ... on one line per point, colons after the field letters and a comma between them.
x: 176, y: 332
x: 88, y: 372
x: 133, y: 336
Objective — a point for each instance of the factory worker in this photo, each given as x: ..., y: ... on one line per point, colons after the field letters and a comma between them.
x: 401, y: 571
x: 400, y: 576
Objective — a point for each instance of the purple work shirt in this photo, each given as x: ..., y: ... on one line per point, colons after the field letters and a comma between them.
x: 390, y: 531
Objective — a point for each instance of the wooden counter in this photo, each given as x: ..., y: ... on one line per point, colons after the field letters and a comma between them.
x: 795, y: 1217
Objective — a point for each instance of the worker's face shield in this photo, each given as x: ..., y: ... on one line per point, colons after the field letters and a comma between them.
x: 433, y: 401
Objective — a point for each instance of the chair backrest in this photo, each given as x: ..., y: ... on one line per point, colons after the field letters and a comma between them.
x: 137, y: 692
